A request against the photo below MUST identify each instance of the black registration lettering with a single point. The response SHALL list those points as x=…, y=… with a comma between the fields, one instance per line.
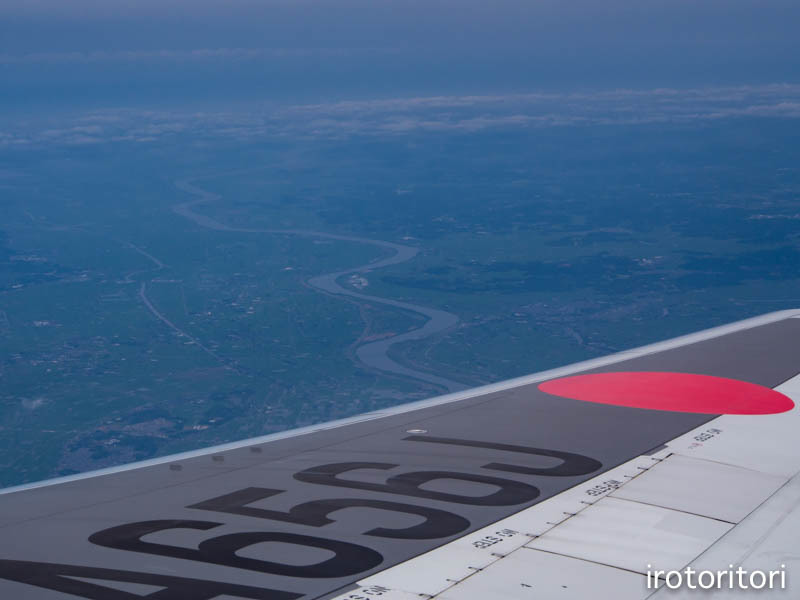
x=57, y=577
x=572, y=464
x=409, y=484
x=348, y=558
x=438, y=523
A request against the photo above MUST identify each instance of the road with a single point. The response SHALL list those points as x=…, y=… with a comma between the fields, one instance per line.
x=181, y=333
x=372, y=354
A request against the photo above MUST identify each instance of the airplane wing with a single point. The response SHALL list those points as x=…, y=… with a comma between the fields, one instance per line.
x=569, y=484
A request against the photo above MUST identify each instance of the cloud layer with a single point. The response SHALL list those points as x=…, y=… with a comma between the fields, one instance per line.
x=399, y=116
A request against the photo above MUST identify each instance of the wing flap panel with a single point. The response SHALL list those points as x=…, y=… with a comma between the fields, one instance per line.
x=702, y=487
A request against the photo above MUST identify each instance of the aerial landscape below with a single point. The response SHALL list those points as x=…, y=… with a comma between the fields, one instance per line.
x=158, y=296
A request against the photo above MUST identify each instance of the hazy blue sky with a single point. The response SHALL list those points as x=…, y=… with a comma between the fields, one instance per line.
x=56, y=53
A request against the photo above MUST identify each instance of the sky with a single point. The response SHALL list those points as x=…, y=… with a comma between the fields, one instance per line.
x=153, y=53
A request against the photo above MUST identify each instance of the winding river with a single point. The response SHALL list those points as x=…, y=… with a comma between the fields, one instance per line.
x=372, y=354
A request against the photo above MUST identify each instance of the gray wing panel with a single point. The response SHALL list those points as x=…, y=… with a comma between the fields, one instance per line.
x=306, y=515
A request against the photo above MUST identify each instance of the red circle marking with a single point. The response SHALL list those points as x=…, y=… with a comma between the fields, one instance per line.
x=680, y=392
